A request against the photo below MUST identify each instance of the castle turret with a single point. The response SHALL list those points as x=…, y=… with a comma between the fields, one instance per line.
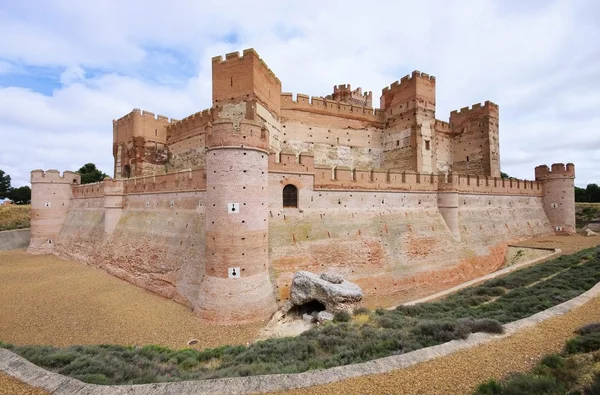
x=559, y=196
x=475, y=143
x=344, y=93
x=409, y=106
x=236, y=286
x=447, y=200
x=50, y=198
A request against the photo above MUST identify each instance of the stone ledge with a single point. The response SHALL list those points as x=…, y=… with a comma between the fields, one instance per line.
x=31, y=374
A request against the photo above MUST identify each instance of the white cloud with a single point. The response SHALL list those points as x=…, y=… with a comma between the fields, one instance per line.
x=113, y=56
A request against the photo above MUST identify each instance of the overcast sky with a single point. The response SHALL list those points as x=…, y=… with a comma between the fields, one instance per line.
x=68, y=68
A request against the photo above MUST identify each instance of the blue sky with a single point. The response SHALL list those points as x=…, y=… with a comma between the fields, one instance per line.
x=67, y=68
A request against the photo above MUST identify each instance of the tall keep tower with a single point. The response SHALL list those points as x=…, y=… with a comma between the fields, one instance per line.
x=409, y=106
x=559, y=196
x=236, y=286
x=50, y=197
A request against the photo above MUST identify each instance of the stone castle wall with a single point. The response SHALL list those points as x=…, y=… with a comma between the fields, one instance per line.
x=381, y=229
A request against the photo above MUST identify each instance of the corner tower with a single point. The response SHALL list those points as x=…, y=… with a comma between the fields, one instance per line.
x=559, y=196
x=50, y=198
x=245, y=78
x=236, y=286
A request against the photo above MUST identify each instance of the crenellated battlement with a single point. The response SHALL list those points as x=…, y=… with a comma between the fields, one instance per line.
x=248, y=133
x=558, y=170
x=246, y=78
x=487, y=107
x=442, y=126
x=136, y=113
x=189, y=126
x=184, y=180
x=247, y=54
x=326, y=106
x=409, y=78
x=418, y=87
x=54, y=176
x=344, y=93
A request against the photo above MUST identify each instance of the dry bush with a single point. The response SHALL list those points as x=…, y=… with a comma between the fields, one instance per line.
x=14, y=217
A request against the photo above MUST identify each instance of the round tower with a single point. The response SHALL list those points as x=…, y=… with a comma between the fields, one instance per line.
x=236, y=286
x=447, y=200
x=50, y=198
x=558, y=185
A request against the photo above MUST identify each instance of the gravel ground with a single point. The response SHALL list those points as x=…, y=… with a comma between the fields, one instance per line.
x=48, y=300
x=568, y=244
x=12, y=386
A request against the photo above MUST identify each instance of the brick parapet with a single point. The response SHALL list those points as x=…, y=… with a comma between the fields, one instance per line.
x=134, y=119
x=345, y=178
x=247, y=134
x=488, y=108
x=442, y=127
x=95, y=189
x=190, y=126
x=184, y=180
x=418, y=87
x=54, y=176
x=243, y=78
x=558, y=170
x=323, y=106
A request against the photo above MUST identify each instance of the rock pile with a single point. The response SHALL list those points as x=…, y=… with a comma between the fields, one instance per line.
x=329, y=289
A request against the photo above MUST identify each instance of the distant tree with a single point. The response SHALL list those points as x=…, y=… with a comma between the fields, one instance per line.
x=4, y=184
x=581, y=195
x=89, y=173
x=21, y=195
x=593, y=192
x=589, y=194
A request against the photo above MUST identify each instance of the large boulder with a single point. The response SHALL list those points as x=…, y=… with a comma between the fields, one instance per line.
x=308, y=287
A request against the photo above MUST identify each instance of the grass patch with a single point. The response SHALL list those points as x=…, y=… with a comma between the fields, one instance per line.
x=349, y=339
x=14, y=217
x=575, y=371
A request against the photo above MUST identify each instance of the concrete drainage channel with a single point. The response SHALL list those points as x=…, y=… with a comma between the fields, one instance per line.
x=31, y=374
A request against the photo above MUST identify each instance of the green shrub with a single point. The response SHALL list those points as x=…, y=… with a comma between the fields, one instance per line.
x=482, y=325
x=522, y=384
x=361, y=310
x=188, y=363
x=341, y=316
x=553, y=361
x=583, y=343
x=490, y=388
x=589, y=328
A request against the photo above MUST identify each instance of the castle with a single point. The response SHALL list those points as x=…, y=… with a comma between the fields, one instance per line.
x=219, y=209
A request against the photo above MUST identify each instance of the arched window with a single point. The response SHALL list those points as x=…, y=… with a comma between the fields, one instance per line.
x=290, y=196
x=126, y=171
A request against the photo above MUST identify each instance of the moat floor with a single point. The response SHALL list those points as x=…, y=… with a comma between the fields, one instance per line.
x=52, y=301
x=48, y=300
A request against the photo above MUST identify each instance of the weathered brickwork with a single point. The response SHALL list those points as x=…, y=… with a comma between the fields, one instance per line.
x=399, y=202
